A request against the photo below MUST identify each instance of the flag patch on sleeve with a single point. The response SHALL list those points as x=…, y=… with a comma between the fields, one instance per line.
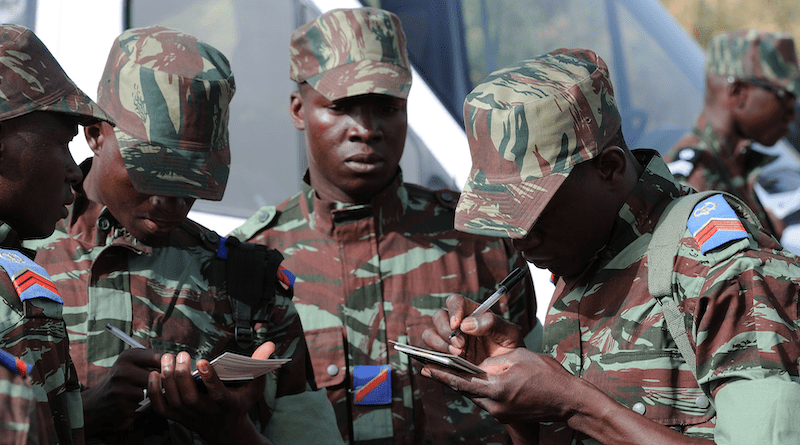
x=713, y=223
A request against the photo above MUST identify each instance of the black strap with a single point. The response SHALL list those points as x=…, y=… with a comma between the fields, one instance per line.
x=251, y=272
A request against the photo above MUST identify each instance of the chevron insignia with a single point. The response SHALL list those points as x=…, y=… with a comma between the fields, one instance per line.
x=29, y=278
x=713, y=223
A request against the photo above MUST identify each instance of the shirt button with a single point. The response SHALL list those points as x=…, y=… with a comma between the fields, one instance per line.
x=103, y=224
x=262, y=217
x=702, y=402
x=332, y=370
x=639, y=407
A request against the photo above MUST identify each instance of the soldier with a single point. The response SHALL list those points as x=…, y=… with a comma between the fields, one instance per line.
x=128, y=255
x=374, y=256
x=619, y=348
x=752, y=79
x=40, y=110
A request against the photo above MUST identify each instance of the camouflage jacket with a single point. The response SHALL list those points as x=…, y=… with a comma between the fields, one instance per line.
x=370, y=273
x=173, y=298
x=606, y=328
x=700, y=159
x=34, y=330
x=18, y=414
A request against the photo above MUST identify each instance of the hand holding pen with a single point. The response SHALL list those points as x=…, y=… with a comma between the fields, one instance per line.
x=507, y=284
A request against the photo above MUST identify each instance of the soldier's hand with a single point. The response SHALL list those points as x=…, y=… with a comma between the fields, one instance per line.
x=110, y=404
x=220, y=415
x=481, y=337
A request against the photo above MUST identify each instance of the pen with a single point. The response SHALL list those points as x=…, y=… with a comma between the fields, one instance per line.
x=124, y=337
x=508, y=282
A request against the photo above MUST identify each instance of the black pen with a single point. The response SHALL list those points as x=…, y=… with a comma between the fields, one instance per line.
x=508, y=282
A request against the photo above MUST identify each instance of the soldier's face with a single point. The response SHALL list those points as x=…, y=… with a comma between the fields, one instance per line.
x=573, y=227
x=149, y=218
x=37, y=171
x=353, y=145
x=763, y=116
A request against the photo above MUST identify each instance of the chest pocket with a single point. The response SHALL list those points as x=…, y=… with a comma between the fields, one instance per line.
x=326, y=347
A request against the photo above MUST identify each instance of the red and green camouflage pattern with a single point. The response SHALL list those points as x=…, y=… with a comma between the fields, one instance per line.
x=528, y=125
x=707, y=160
x=738, y=300
x=755, y=54
x=170, y=96
x=172, y=298
x=350, y=52
x=18, y=414
x=32, y=80
x=35, y=331
x=370, y=273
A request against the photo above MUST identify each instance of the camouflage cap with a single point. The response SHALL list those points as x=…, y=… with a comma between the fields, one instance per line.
x=528, y=125
x=756, y=54
x=169, y=94
x=349, y=52
x=32, y=80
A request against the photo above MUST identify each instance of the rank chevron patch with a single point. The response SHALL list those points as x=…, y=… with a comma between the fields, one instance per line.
x=713, y=223
x=29, y=278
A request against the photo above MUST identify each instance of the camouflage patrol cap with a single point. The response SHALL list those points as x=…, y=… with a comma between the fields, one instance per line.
x=169, y=94
x=756, y=54
x=32, y=80
x=349, y=52
x=528, y=125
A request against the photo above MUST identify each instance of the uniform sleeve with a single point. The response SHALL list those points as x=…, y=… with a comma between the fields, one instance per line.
x=18, y=414
x=746, y=334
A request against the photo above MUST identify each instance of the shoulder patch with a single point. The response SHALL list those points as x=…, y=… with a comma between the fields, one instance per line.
x=29, y=278
x=447, y=198
x=684, y=162
x=713, y=223
x=16, y=365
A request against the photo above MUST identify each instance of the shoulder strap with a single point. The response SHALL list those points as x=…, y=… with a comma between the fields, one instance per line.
x=661, y=253
x=247, y=269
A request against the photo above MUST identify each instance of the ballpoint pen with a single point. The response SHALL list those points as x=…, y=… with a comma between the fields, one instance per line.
x=508, y=282
x=124, y=337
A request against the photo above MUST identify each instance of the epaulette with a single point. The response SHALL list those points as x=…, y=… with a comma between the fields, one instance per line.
x=16, y=365
x=685, y=162
x=713, y=222
x=261, y=219
x=447, y=198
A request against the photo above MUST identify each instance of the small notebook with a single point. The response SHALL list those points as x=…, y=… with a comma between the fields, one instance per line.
x=232, y=367
x=451, y=361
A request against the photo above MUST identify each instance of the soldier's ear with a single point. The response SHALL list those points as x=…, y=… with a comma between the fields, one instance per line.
x=296, y=111
x=94, y=136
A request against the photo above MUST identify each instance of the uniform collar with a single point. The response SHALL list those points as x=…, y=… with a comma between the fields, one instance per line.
x=9, y=239
x=387, y=207
x=655, y=189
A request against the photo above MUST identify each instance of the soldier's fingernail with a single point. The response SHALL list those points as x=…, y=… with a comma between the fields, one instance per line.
x=469, y=324
x=425, y=372
x=453, y=321
x=166, y=365
x=202, y=368
x=182, y=357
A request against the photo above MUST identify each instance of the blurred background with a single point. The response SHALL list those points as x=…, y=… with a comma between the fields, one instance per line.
x=654, y=50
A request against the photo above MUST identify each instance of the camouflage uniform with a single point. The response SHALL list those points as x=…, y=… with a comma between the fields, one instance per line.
x=32, y=327
x=374, y=272
x=170, y=96
x=736, y=290
x=370, y=273
x=18, y=415
x=708, y=160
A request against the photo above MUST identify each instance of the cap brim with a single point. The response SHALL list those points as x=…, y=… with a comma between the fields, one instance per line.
x=364, y=77
x=166, y=171
x=505, y=209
